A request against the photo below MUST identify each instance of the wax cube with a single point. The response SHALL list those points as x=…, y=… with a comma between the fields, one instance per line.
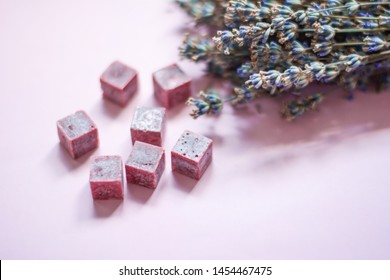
x=191, y=155
x=119, y=83
x=171, y=86
x=148, y=125
x=106, y=177
x=78, y=134
x=145, y=165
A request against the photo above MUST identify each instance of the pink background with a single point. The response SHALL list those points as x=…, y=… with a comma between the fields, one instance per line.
x=318, y=188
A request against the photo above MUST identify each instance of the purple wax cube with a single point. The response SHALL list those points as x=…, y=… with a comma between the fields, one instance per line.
x=148, y=125
x=119, y=83
x=171, y=86
x=145, y=165
x=106, y=177
x=192, y=154
x=78, y=134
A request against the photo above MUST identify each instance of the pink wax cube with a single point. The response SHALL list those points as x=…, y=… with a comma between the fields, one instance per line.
x=171, y=86
x=191, y=155
x=106, y=177
x=145, y=165
x=148, y=125
x=119, y=83
x=78, y=134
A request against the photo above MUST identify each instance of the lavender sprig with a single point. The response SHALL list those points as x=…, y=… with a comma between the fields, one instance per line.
x=208, y=103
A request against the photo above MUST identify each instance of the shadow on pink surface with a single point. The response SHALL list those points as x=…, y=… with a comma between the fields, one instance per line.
x=336, y=117
x=138, y=194
x=184, y=183
x=108, y=108
x=64, y=159
x=105, y=208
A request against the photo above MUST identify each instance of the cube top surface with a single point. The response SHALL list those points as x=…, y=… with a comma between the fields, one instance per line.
x=145, y=156
x=118, y=75
x=76, y=125
x=192, y=145
x=106, y=168
x=171, y=77
x=148, y=119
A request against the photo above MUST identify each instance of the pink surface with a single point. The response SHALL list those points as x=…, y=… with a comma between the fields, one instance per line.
x=315, y=188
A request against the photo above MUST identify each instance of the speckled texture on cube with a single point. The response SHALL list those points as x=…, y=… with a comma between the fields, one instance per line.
x=78, y=134
x=171, y=86
x=119, y=83
x=145, y=165
x=192, y=154
x=106, y=177
x=148, y=125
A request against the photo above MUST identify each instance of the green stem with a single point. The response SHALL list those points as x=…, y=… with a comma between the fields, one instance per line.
x=348, y=44
x=351, y=44
x=232, y=54
x=346, y=17
x=377, y=56
x=349, y=30
x=343, y=7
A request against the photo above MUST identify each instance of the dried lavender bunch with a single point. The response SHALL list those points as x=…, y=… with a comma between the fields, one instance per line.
x=270, y=47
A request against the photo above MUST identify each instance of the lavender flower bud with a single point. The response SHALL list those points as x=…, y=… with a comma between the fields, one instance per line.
x=300, y=17
x=330, y=74
x=325, y=32
x=335, y=3
x=317, y=69
x=201, y=107
x=264, y=12
x=352, y=7
x=373, y=44
x=367, y=24
x=323, y=48
x=312, y=15
x=209, y=103
x=275, y=52
x=384, y=21
x=255, y=81
x=293, y=2
x=245, y=70
x=215, y=102
x=287, y=32
x=259, y=54
x=242, y=95
x=297, y=48
x=195, y=48
x=199, y=10
x=224, y=41
x=281, y=10
x=272, y=78
x=266, y=35
x=277, y=22
x=232, y=18
x=352, y=61
x=320, y=9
